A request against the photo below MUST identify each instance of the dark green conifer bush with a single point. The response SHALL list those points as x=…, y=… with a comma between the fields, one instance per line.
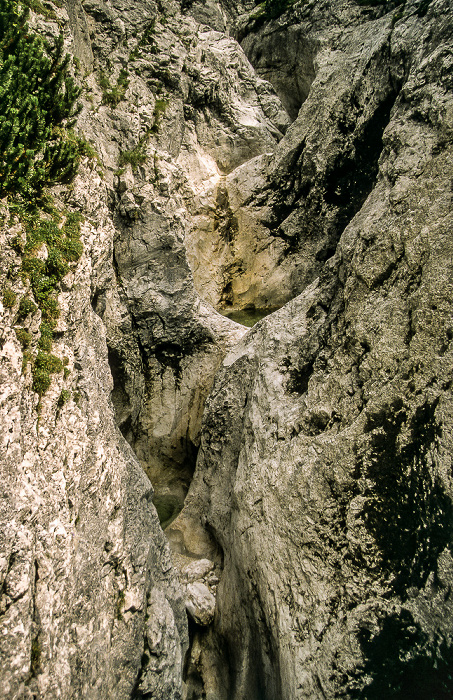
x=37, y=95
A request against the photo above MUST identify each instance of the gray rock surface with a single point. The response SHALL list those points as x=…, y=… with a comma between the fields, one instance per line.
x=82, y=554
x=314, y=547
x=324, y=473
x=200, y=603
x=91, y=606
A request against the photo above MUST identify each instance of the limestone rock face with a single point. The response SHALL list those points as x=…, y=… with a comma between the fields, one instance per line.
x=90, y=605
x=308, y=168
x=82, y=554
x=200, y=603
x=324, y=472
x=192, y=111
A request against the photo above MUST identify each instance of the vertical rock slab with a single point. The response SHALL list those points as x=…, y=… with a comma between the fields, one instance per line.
x=324, y=472
x=83, y=557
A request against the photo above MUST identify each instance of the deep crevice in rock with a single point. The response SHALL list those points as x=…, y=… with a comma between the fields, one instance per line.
x=285, y=62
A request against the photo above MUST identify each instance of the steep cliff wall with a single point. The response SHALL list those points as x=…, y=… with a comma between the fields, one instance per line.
x=313, y=549
x=324, y=472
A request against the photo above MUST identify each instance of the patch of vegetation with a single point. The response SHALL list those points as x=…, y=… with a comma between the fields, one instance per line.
x=159, y=109
x=23, y=337
x=113, y=94
x=147, y=40
x=40, y=8
x=63, y=247
x=61, y=239
x=37, y=95
x=26, y=306
x=135, y=157
x=9, y=298
x=46, y=337
x=17, y=245
x=84, y=147
x=63, y=398
x=26, y=358
x=44, y=365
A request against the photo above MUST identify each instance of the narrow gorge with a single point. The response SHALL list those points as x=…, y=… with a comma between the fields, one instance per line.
x=226, y=355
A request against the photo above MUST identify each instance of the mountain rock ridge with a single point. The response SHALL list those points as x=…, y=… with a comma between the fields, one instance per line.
x=209, y=197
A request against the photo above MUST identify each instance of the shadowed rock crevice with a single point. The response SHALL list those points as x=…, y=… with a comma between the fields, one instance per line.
x=402, y=662
x=408, y=510
x=287, y=63
x=324, y=203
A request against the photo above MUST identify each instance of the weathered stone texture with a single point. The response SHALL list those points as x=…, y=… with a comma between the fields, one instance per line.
x=314, y=546
x=324, y=472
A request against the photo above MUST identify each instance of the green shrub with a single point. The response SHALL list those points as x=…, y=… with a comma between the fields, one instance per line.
x=41, y=9
x=113, y=94
x=26, y=306
x=64, y=397
x=50, y=310
x=135, y=157
x=26, y=358
x=63, y=247
x=41, y=380
x=17, y=245
x=37, y=94
x=84, y=147
x=23, y=337
x=44, y=365
x=56, y=265
x=159, y=109
x=46, y=337
x=71, y=248
x=9, y=298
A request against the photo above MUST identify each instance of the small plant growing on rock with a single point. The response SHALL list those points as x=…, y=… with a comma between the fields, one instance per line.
x=63, y=246
x=113, y=94
x=135, y=157
x=26, y=307
x=46, y=337
x=45, y=365
x=26, y=358
x=159, y=109
x=9, y=298
x=23, y=337
x=63, y=398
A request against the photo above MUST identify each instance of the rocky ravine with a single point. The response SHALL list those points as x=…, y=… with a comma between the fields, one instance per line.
x=313, y=548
